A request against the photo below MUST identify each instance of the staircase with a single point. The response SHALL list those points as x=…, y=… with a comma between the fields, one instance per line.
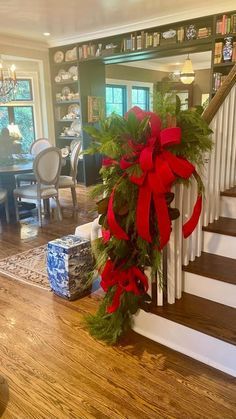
x=202, y=323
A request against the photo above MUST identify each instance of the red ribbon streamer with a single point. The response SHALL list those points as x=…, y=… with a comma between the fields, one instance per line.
x=130, y=280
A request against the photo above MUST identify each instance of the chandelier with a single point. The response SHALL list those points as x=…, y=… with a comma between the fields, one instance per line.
x=187, y=74
x=8, y=82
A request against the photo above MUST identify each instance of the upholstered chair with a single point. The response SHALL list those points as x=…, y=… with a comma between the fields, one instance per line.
x=37, y=146
x=71, y=181
x=47, y=168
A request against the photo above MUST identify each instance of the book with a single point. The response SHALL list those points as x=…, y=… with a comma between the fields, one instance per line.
x=139, y=42
x=218, y=52
x=156, y=39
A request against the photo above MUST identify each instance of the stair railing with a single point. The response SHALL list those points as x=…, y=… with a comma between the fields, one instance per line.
x=219, y=174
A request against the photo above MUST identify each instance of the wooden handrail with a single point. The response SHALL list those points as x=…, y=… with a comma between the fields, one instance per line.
x=220, y=96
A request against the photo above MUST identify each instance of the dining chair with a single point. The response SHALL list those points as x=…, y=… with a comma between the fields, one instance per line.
x=47, y=168
x=71, y=181
x=37, y=146
x=4, y=201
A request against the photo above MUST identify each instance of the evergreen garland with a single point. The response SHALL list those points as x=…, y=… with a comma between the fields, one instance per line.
x=120, y=138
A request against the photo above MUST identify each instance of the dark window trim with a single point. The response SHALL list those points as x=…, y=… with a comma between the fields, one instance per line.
x=147, y=89
x=124, y=94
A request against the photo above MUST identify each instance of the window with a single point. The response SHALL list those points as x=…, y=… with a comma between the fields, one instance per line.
x=116, y=99
x=21, y=113
x=140, y=97
x=122, y=95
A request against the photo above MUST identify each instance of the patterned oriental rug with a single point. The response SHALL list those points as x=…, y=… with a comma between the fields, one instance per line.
x=29, y=267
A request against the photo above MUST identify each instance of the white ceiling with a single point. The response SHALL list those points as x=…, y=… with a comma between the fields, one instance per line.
x=74, y=20
x=200, y=61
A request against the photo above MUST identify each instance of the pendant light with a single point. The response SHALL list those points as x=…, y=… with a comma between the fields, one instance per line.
x=187, y=74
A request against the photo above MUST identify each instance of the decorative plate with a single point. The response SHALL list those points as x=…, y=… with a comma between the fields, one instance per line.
x=58, y=79
x=74, y=109
x=169, y=34
x=65, y=91
x=58, y=57
x=71, y=54
x=73, y=70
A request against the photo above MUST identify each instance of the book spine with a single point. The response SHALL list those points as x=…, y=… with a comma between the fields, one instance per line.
x=139, y=42
x=142, y=39
x=223, y=28
x=228, y=26
x=233, y=26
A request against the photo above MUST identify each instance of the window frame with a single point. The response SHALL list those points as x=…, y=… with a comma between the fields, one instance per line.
x=124, y=95
x=132, y=83
x=147, y=90
x=25, y=103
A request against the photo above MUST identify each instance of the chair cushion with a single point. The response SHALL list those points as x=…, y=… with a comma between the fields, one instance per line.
x=3, y=195
x=66, y=182
x=26, y=177
x=30, y=191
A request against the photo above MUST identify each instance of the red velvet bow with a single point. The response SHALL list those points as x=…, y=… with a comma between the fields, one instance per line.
x=160, y=169
x=129, y=280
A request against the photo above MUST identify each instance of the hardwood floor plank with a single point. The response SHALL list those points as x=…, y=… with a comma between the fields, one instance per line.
x=50, y=367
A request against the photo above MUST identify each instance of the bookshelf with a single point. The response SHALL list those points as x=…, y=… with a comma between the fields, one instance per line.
x=224, y=52
x=90, y=57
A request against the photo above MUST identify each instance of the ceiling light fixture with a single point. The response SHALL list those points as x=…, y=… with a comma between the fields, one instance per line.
x=187, y=74
x=46, y=33
x=8, y=82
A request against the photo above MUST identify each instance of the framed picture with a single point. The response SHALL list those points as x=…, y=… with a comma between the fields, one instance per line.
x=96, y=108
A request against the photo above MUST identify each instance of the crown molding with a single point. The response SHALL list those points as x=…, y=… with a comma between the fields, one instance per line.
x=20, y=42
x=216, y=8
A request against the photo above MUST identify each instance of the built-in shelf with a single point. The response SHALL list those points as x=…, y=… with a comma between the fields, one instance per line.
x=66, y=137
x=226, y=64
x=66, y=82
x=67, y=102
x=219, y=36
x=68, y=120
x=66, y=62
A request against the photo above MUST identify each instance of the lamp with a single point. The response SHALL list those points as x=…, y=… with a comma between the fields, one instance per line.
x=8, y=82
x=14, y=131
x=187, y=74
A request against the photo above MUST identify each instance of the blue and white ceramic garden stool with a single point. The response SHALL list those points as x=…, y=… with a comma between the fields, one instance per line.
x=69, y=265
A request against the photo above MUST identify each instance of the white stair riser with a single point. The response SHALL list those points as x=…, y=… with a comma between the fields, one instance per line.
x=219, y=244
x=211, y=289
x=228, y=207
x=204, y=348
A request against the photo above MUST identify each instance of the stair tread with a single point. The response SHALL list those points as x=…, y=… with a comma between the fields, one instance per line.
x=214, y=266
x=224, y=225
x=229, y=192
x=203, y=315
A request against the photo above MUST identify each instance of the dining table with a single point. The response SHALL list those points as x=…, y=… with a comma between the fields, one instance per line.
x=8, y=170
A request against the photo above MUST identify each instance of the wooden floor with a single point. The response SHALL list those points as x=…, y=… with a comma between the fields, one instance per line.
x=51, y=368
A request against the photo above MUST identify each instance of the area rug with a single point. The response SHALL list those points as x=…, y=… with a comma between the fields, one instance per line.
x=29, y=267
